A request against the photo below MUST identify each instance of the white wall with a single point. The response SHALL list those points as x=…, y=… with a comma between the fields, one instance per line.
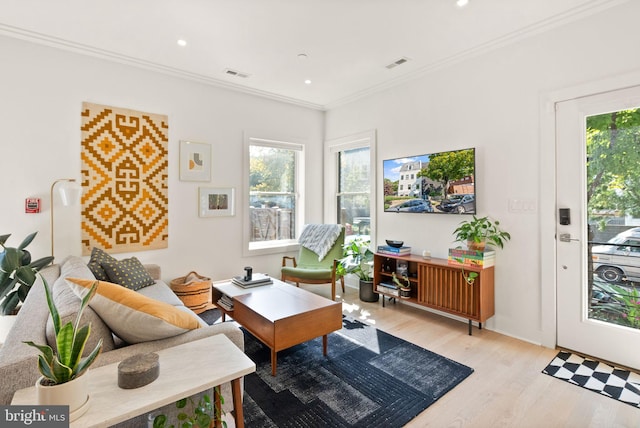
x=491, y=102
x=41, y=92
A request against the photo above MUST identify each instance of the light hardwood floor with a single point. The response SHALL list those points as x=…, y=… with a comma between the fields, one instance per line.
x=507, y=388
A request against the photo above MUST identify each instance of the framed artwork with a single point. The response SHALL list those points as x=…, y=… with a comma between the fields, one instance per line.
x=195, y=161
x=216, y=202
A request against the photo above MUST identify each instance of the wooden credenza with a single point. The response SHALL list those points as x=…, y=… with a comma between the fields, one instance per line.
x=438, y=285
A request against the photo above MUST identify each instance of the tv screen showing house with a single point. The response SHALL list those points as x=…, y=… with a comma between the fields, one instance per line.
x=434, y=183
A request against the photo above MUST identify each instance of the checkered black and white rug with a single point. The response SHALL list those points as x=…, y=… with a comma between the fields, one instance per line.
x=622, y=385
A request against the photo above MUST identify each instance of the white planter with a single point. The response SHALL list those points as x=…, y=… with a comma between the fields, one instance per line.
x=74, y=394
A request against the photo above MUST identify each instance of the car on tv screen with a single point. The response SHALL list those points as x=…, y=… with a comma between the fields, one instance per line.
x=458, y=204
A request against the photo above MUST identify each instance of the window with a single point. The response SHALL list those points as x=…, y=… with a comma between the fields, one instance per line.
x=274, y=211
x=349, y=183
x=353, y=205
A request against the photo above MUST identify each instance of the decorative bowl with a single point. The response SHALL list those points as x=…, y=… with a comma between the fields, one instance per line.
x=395, y=244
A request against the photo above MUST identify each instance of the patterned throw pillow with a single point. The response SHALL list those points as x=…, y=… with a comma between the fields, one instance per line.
x=97, y=258
x=129, y=273
x=133, y=317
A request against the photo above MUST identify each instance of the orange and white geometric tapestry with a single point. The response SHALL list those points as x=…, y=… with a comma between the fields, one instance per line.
x=125, y=200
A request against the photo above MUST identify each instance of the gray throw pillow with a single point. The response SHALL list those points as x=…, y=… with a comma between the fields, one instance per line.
x=129, y=273
x=98, y=257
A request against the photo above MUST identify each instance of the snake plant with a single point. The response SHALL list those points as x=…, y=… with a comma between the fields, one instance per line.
x=67, y=364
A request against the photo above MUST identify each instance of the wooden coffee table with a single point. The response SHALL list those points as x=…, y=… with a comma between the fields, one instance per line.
x=281, y=315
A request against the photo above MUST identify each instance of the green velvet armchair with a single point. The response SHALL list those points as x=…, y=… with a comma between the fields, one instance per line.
x=308, y=270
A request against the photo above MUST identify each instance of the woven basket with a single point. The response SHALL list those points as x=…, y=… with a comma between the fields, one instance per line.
x=194, y=290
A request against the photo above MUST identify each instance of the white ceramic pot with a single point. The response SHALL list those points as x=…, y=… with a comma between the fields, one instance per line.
x=75, y=394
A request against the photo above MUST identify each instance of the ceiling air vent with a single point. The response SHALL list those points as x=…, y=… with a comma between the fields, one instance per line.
x=397, y=62
x=235, y=73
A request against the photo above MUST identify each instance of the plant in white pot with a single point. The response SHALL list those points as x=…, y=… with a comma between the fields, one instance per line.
x=479, y=231
x=62, y=382
x=358, y=260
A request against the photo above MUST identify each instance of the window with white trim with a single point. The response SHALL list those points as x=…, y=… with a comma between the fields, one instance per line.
x=349, y=183
x=274, y=209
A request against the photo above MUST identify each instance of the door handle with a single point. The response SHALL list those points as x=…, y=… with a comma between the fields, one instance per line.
x=566, y=237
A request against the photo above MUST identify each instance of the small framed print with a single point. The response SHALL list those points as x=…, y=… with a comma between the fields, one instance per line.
x=195, y=161
x=216, y=202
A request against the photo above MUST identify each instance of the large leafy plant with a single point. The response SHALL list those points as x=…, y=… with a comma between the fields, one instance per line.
x=17, y=273
x=68, y=363
x=357, y=259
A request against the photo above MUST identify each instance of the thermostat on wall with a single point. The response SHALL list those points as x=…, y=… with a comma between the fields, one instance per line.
x=32, y=205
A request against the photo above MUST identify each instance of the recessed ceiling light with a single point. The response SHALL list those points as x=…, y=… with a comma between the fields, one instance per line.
x=182, y=42
x=307, y=82
x=462, y=3
x=303, y=56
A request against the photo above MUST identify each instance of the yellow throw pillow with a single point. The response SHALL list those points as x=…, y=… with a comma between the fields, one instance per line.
x=131, y=316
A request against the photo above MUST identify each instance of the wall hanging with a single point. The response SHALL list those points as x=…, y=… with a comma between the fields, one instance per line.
x=125, y=205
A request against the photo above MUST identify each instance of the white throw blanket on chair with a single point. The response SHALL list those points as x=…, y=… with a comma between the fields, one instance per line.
x=319, y=238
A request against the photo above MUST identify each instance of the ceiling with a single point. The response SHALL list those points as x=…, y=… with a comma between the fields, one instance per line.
x=347, y=43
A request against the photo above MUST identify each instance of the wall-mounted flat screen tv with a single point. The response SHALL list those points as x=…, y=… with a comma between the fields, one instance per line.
x=434, y=183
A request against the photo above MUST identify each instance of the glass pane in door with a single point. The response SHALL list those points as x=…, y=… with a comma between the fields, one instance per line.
x=613, y=207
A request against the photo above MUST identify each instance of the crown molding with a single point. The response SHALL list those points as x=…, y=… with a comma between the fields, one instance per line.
x=556, y=21
x=59, y=43
x=564, y=18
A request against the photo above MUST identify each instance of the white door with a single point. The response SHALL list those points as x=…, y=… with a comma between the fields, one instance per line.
x=597, y=175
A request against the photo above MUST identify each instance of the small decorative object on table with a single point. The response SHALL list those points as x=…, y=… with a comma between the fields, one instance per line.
x=393, y=243
x=139, y=370
x=402, y=267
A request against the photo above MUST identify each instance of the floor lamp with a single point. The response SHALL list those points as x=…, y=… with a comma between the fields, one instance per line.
x=69, y=195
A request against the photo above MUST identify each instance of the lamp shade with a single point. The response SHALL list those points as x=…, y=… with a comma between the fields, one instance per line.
x=70, y=192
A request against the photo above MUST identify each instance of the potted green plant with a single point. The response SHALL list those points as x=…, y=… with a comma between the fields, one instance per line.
x=479, y=231
x=17, y=273
x=62, y=381
x=201, y=415
x=358, y=260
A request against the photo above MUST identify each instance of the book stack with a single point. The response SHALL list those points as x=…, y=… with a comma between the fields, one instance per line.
x=257, y=280
x=471, y=258
x=394, y=251
x=226, y=303
x=388, y=288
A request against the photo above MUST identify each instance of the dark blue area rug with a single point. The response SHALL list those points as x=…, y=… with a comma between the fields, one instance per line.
x=368, y=379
